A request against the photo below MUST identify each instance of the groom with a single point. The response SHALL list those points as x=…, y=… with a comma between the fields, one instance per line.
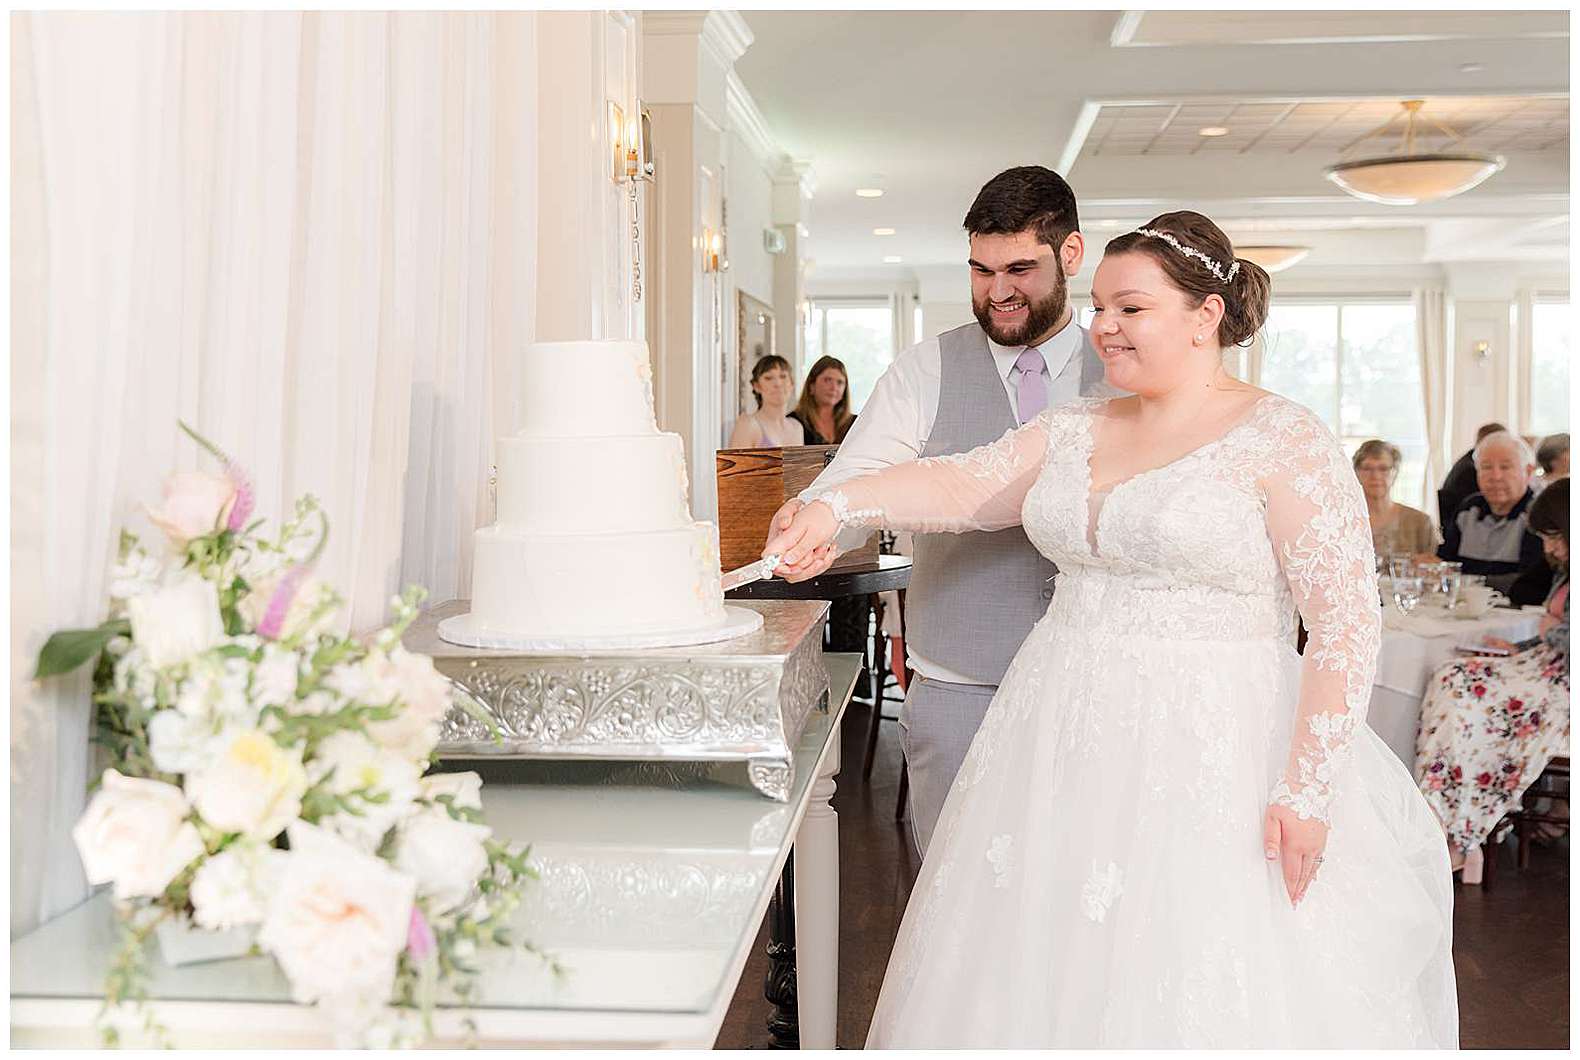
x=973, y=597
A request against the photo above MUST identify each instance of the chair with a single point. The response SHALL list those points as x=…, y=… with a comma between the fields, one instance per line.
x=1553, y=783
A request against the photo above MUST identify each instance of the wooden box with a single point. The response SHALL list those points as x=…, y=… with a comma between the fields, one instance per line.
x=753, y=483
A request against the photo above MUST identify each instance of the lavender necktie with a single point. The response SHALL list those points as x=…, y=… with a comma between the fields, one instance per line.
x=1031, y=392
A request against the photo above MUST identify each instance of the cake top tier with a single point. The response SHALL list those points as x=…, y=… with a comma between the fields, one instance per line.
x=586, y=389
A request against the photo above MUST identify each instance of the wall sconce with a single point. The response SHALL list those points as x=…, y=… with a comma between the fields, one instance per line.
x=631, y=144
x=1483, y=351
x=713, y=259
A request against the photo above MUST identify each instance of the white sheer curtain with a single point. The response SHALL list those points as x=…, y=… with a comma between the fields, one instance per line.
x=311, y=235
x=1431, y=330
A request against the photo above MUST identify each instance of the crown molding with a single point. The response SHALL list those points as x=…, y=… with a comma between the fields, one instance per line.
x=746, y=120
x=726, y=34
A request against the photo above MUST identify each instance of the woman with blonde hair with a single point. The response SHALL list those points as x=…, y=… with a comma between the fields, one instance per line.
x=824, y=409
x=1396, y=528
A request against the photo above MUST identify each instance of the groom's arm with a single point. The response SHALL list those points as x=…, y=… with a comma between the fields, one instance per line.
x=892, y=428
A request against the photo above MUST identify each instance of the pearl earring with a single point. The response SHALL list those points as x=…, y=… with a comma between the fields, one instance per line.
x=1198, y=340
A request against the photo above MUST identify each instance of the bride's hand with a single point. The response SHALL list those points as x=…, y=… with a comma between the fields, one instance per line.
x=805, y=543
x=1297, y=844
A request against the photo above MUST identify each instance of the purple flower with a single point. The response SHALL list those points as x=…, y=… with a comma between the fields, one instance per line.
x=241, y=511
x=420, y=942
x=280, y=603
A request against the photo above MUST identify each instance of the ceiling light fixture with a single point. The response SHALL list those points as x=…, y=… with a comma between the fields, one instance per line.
x=1271, y=258
x=870, y=193
x=1213, y=130
x=1408, y=178
x=893, y=259
x=883, y=231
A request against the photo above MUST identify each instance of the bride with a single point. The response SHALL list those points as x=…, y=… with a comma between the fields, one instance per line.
x=1171, y=830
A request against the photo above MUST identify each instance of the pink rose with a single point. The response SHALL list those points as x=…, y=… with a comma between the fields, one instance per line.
x=195, y=503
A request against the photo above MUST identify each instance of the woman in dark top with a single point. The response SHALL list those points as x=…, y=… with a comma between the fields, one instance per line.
x=1491, y=723
x=824, y=409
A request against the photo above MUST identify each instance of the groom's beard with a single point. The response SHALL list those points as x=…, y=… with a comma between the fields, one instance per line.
x=1040, y=318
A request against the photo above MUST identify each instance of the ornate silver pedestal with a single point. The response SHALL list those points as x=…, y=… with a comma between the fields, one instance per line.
x=744, y=699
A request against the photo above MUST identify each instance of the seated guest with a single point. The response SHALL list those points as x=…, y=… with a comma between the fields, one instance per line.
x=1396, y=528
x=1489, y=533
x=1489, y=725
x=770, y=426
x=824, y=409
x=1460, y=482
x=1552, y=456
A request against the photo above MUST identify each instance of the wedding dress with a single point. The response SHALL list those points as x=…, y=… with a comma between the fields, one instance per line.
x=1098, y=877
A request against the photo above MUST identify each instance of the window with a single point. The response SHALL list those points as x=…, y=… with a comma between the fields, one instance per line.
x=1550, y=346
x=1356, y=365
x=860, y=332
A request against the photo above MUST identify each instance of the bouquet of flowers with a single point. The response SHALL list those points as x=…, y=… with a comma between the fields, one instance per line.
x=268, y=774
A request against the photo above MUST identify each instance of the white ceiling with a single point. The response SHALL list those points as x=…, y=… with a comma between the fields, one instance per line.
x=928, y=104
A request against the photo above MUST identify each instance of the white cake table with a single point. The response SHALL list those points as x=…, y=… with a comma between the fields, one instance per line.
x=1411, y=649
x=652, y=894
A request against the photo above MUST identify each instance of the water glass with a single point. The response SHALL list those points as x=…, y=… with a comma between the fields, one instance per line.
x=1450, y=586
x=1406, y=592
x=1401, y=566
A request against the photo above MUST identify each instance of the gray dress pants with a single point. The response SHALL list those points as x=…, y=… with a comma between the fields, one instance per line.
x=937, y=723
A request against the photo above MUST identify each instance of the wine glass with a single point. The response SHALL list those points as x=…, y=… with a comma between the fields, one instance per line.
x=1406, y=593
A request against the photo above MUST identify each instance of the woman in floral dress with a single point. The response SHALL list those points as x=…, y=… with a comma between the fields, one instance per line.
x=1490, y=725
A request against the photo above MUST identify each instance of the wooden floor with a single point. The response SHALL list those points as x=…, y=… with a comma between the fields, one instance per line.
x=1511, y=944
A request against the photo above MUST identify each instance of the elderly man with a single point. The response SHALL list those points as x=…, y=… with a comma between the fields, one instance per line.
x=1489, y=533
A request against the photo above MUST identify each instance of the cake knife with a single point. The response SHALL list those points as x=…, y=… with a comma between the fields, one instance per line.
x=756, y=571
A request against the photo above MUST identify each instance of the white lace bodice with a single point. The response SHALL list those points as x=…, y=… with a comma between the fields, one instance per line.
x=1223, y=543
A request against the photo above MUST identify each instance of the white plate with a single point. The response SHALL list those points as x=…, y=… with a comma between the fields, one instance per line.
x=462, y=630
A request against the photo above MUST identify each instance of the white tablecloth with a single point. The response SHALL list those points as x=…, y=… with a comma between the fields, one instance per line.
x=1415, y=646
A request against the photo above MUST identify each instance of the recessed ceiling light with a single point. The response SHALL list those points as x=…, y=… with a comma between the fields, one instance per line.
x=1214, y=130
x=1471, y=68
x=870, y=193
x=1108, y=222
x=883, y=231
x=892, y=259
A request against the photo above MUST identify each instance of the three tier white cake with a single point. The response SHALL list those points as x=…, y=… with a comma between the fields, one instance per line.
x=594, y=537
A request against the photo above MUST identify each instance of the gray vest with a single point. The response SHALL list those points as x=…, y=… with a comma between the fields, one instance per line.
x=974, y=597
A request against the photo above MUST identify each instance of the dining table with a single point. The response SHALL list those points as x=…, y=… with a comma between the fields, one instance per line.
x=1415, y=645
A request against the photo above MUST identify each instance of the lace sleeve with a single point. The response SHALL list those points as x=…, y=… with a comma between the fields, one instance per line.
x=1316, y=516
x=982, y=489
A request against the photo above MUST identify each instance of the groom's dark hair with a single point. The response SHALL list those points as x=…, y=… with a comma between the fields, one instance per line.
x=1025, y=197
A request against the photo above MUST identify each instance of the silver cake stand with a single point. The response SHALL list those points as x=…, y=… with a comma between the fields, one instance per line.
x=743, y=699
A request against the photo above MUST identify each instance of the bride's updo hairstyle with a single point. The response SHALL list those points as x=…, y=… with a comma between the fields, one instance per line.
x=1170, y=240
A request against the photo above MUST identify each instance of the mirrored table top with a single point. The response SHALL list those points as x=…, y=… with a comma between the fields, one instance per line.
x=654, y=882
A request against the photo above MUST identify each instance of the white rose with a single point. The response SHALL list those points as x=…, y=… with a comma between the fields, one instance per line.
x=309, y=595
x=338, y=920
x=274, y=678
x=180, y=742
x=232, y=888
x=135, y=834
x=464, y=789
x=353, y=763
x=176, y=621
x=444, y=855
x=252, y=785
x=424, y=699
x=195, y=503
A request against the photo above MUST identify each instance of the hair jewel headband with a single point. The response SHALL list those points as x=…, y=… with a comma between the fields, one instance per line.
x=1191, y=252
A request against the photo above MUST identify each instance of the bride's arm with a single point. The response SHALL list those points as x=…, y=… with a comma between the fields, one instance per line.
x=982, y=489
x=1316, y=516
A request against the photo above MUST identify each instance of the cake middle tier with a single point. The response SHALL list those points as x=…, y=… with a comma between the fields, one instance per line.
x=546, y=585
x=599, y=485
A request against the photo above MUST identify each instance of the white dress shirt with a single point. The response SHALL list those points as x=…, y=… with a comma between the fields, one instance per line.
x=897, y=419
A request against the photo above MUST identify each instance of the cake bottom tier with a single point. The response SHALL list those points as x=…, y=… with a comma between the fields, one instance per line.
x=527, y=583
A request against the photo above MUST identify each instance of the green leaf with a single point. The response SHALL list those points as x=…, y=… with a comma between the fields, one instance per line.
x=63, y=652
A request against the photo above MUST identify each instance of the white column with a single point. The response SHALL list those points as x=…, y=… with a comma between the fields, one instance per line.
x=792, y=202
x=687, y=57
x=817, y=910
